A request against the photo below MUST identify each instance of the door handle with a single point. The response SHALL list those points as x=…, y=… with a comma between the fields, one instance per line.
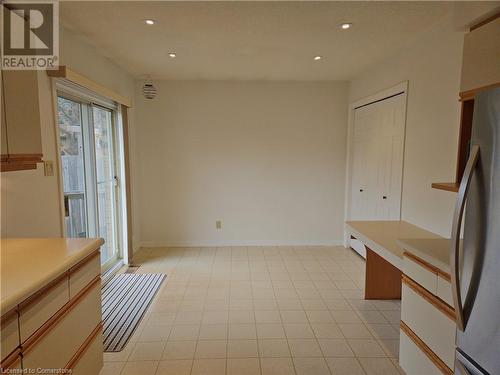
x=66, y=206
x=455, y=236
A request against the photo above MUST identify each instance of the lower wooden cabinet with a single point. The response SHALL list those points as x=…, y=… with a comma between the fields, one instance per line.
x=9, y=335
x=39, y=308
x=55, y=346
x=90, y=359
x=59, y=326
x=82, y=274
x=428, y=327
x=433, y=326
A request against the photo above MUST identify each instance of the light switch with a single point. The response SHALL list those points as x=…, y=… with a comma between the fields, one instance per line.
x=48, y=167
x=218, y=224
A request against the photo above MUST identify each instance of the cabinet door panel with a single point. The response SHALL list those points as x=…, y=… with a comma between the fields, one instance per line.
x=9, y=334
x=83, y=275
x=4, y=150
x=480, y=60
x=433, y=327
x=413, y=360
x=421, y=275
x=22, y=112
x=33, y=314
x=92, y=360
x=58, y=345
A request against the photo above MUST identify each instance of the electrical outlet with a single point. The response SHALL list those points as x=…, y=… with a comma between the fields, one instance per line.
x=218, y=224
x=48, y=168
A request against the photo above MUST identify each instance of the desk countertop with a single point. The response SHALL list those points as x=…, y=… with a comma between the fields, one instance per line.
x=390, y=239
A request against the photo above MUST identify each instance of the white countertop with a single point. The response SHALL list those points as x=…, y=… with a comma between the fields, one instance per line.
x=436, y=252
x=383, y=237
x=27, y=264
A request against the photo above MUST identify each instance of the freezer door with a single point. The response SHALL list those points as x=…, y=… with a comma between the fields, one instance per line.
x=480, y=263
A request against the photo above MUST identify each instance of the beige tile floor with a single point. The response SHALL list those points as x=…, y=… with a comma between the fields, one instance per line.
x=260, y=310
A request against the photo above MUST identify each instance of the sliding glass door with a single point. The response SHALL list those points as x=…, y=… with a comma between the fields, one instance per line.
x=88, y=164
x=106, y=181
x=73, y=167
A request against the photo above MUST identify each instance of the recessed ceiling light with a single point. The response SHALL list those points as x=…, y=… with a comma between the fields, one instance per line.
x=317, y=58
x=345, y=26
x=149, y=22
x=173, y=55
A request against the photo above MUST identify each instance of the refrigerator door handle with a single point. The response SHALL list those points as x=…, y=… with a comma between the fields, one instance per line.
x=455, y=236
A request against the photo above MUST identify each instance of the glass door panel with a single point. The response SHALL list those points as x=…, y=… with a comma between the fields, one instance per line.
x=106, y=181
x=73, y=167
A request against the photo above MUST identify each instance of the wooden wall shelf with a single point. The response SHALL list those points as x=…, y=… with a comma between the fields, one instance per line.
x=20, y=162
x=448, y=186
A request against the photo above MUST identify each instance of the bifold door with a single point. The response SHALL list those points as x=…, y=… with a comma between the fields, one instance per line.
x=377, y=161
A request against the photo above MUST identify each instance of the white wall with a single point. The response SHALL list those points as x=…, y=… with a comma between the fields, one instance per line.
x=30, y=201
x=432, y=66
x=268, y=159
x=88, y=61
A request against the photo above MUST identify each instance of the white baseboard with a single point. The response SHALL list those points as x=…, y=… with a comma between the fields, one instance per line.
x=239, y=243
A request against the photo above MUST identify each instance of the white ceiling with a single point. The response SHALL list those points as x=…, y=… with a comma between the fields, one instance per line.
x=249, y=40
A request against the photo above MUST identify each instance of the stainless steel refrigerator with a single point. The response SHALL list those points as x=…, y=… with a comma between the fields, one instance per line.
x=475, y=264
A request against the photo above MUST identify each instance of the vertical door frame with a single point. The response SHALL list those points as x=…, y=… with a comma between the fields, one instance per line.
x=90, y=173
x=58, y=169
x=381, y=95
x=116, y=151
x=127, y=186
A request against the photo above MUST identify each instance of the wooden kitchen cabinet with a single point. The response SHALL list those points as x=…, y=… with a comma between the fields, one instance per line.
x=43, y=326
x=4, y=148
x=480, y=71
x=21, y=133
x=481, y=63
x=427, y=327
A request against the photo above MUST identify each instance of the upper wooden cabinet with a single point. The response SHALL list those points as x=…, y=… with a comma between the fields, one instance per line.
x=480, y=71
x=481, y=57
x=21, y=134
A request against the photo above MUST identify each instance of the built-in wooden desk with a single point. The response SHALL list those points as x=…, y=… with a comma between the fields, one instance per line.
x=409, y=263
x=384, y=253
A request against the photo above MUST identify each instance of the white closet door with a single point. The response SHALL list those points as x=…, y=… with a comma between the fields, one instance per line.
x=377, y=160
x=391, y=147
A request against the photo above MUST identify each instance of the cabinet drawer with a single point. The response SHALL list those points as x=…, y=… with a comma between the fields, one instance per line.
x=91, y=361
x=9, y=333
x=419, y=273
x=444, y=290
x=413, y=360
x=55, y=347
x=430, y=319
x=39, y=308
x=83, y=273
